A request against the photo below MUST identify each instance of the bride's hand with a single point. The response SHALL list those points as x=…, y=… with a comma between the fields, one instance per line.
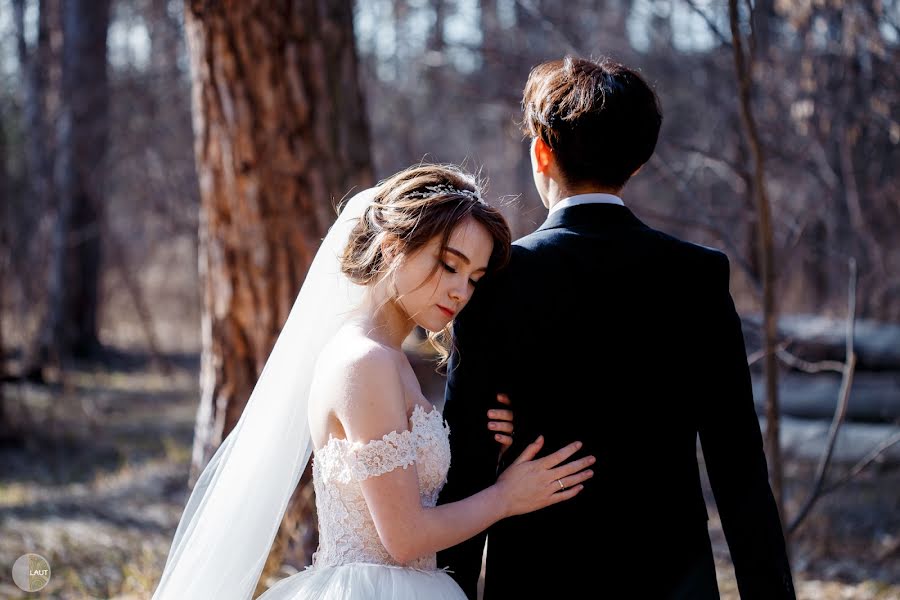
x=501, y=422
x=530, y=484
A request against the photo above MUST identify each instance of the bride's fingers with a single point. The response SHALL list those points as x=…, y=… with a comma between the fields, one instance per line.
x=530, y=450
x=565, y=494
x=564, y=483
x=502, y=426
x=560, y=455
x=501, y=422
x=500, y=414
x=572, y=467
x=503, y=440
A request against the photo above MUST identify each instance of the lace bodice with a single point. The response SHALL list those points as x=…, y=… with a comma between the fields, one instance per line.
x=346, y=531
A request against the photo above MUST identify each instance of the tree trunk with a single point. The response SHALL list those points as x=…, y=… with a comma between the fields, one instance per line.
x=490, y=30
x=165, y=42
x=34, y=63
x=38, y=65
x=280, y=137
x=83, y=144
x=70, y=324
x=436, y=34
x=5, y=425
x=764, y=22
x=766, y=247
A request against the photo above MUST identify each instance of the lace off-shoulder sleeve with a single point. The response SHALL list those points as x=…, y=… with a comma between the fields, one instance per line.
x=377, y=457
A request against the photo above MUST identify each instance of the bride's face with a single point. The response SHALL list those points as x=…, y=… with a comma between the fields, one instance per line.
x=435, y=285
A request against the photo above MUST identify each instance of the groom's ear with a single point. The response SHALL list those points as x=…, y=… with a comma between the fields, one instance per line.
x=543, y=155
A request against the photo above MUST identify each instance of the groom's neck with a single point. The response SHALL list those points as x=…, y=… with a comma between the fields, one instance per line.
x=557, y=191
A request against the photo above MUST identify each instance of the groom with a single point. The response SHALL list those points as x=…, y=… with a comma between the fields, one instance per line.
x=604, y=330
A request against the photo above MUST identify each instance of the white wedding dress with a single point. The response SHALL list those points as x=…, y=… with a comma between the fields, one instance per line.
x=351, y=562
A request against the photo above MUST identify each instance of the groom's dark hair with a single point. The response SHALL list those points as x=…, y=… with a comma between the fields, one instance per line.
x=600, y=118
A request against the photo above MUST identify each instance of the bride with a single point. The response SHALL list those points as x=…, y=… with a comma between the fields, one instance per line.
x=408, y=252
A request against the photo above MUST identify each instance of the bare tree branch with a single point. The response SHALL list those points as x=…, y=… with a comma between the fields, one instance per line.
x=757, y=356
x=841, y=411
x=868, y=459
x=809, y=367
x=714, y=157
x=709, y=23
x=765, y=244
x=551, y=27
x=735, y=253
x=137, y=297
x=752, y=21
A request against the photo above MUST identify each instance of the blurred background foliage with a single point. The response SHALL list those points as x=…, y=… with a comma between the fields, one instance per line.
x=108, y=239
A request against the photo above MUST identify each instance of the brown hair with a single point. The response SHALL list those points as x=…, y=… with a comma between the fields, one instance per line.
x=601, y=119
x=411, y=208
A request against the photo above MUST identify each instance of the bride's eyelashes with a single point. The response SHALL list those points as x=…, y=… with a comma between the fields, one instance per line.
x=452, y=270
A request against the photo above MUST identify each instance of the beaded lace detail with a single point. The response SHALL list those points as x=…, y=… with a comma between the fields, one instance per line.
x=346, y=531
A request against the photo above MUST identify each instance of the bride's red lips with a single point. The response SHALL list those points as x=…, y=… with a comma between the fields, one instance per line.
x=446, y=311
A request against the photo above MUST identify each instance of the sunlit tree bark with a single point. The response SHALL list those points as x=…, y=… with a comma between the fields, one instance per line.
x=281, y=136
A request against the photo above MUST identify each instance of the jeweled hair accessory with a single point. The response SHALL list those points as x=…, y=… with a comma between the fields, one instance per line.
x=433, y=190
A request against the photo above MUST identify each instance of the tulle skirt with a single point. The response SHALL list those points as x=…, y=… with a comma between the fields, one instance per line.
x=359, y=581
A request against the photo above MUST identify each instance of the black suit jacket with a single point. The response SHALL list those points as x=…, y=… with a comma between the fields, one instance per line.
x=604, y=330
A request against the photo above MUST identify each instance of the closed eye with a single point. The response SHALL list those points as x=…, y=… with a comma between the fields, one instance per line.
x=452, y=270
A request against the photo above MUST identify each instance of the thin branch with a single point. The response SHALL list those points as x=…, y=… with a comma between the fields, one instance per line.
x=137, y=297
x=841, y=411
x=743, y=66
x=795, y=362
x=757, y=356
x=709, y=23
x=809, y=367
x=736, y=254
x=750, y=19
x=535, y=12
x=871, y=457
x=711, y=156
x=794, y=234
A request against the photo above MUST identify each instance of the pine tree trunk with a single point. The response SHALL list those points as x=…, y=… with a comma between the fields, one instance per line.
x=39, y=66
x=34, y=63
x=70, y=325
x=83, y=143
x=280, y=137
x=165, y=36
x=5, y=425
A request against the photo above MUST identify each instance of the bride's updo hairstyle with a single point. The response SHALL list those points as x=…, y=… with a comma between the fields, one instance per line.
x=410, y=209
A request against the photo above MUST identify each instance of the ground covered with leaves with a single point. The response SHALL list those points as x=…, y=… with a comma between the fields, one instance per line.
x=96, y=485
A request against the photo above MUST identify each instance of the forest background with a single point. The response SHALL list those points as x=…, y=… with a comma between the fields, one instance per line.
x=167, y=169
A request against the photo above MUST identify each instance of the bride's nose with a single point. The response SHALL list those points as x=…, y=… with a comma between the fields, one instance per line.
x=457, y=293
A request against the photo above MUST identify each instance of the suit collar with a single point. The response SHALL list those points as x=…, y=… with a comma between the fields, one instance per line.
x=594, y=216
x=592, y=198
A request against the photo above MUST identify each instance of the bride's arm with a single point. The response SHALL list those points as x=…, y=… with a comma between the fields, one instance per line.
x=374, y=407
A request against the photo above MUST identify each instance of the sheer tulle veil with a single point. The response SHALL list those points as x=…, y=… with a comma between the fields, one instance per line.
x=236, y=507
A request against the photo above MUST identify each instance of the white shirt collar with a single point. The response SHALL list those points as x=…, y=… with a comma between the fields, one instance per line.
x=596, y=198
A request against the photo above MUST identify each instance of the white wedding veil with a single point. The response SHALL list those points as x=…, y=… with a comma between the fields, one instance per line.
x=236, y=507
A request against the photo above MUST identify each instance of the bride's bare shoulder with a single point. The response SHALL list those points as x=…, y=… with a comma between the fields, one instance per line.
x=351, y=362
x=358, y=381
x=350, y=351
